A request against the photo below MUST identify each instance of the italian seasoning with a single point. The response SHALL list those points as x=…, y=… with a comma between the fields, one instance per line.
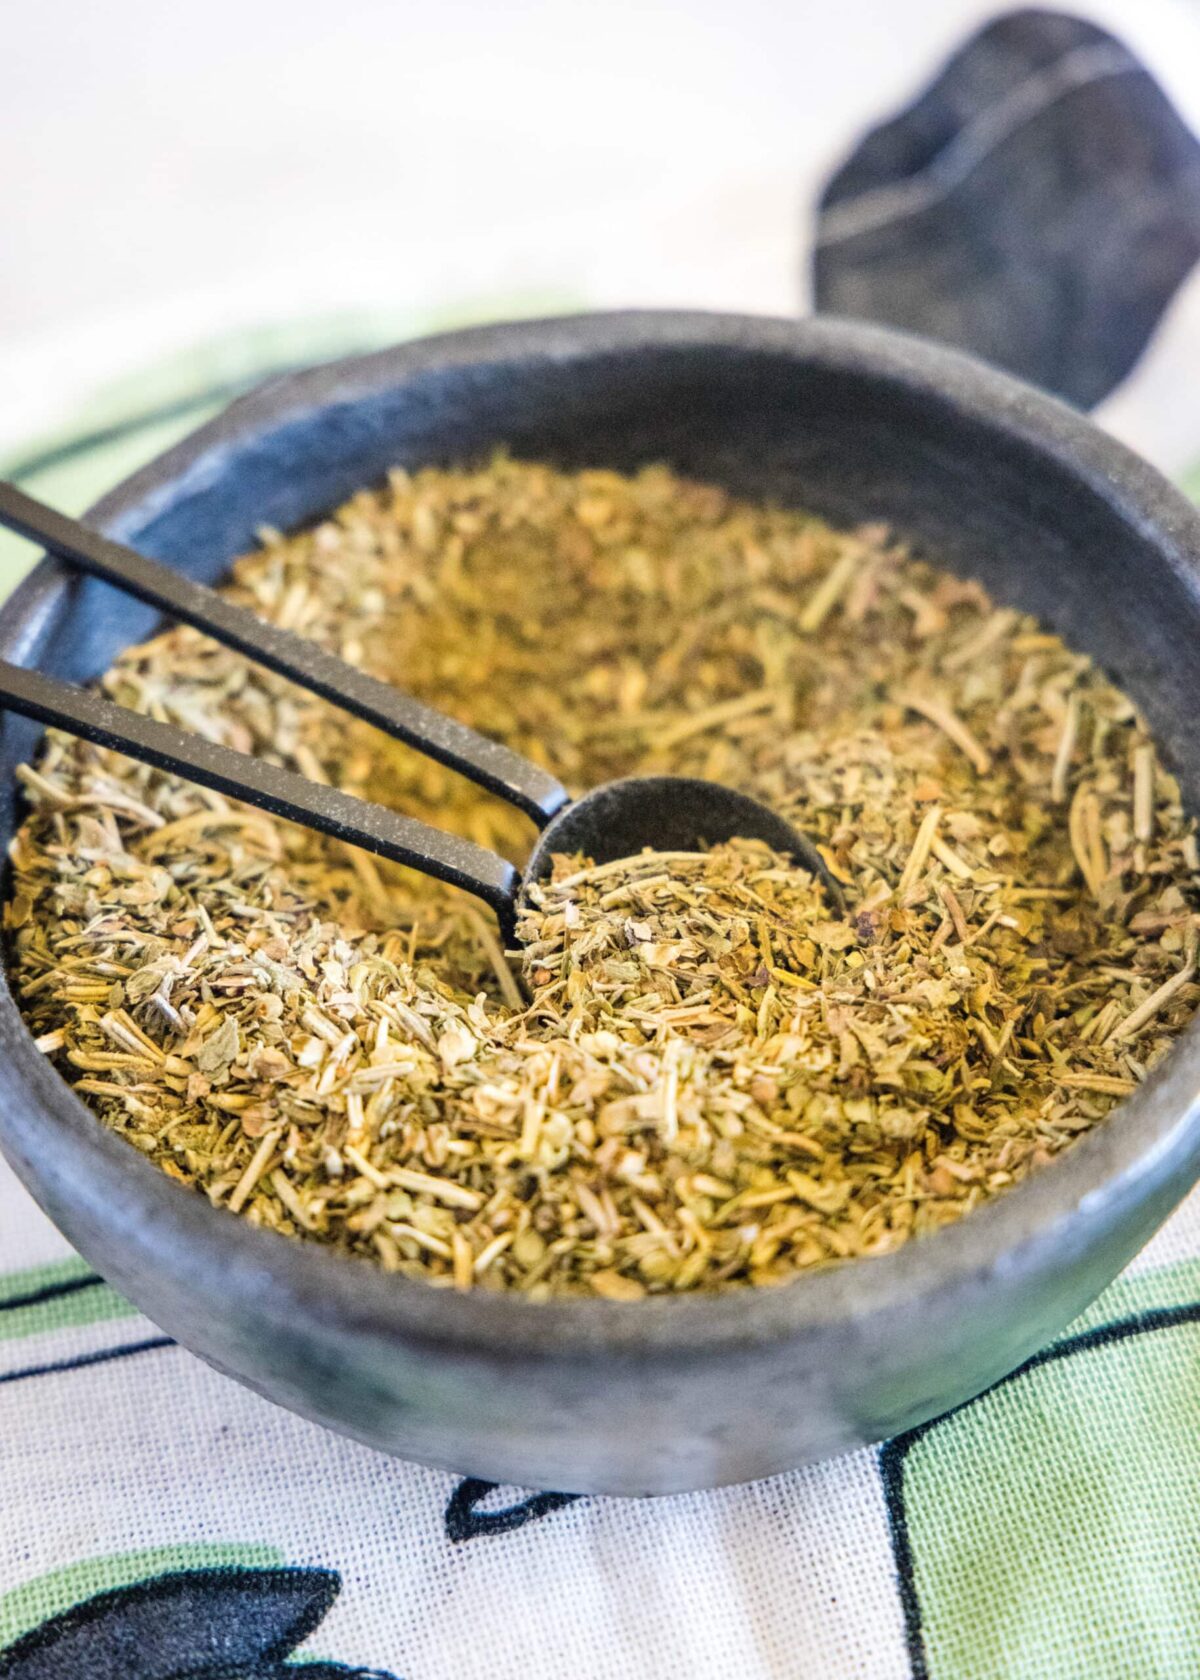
x=697, y=1073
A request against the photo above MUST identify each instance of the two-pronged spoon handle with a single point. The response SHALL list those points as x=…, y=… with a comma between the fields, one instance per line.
x=89, y=715
x=492, y=766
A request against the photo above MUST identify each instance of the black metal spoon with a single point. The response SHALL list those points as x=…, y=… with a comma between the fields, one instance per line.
x=617, y=819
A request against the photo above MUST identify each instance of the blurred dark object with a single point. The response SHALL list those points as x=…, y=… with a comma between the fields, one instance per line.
x=1039, y=205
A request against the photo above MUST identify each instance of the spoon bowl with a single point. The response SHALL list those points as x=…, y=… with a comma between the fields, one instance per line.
x=667, y=814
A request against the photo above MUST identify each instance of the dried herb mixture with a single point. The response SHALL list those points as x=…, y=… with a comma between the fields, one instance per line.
x=718, y=1081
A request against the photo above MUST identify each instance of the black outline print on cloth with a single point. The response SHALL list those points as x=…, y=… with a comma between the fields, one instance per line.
x=190, y=1624
x=1038, y=203
x=893, y=1453
x=465, y=1522
x=81, y=1361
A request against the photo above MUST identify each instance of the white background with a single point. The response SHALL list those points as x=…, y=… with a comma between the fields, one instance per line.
x=171, y=171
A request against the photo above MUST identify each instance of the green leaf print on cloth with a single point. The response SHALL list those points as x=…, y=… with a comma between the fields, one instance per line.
x=61, y=1295
x=1050, y=1530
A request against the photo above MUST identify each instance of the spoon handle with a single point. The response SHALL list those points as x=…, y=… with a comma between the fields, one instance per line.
x=485, y=762
x=271, y=788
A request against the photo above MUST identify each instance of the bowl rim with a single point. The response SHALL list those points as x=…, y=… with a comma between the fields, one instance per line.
x=1129, y=1157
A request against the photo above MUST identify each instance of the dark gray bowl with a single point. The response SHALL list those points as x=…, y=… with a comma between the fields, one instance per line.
x=670, y=1393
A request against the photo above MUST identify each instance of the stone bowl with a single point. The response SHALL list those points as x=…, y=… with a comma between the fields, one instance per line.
x=670, y=1393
